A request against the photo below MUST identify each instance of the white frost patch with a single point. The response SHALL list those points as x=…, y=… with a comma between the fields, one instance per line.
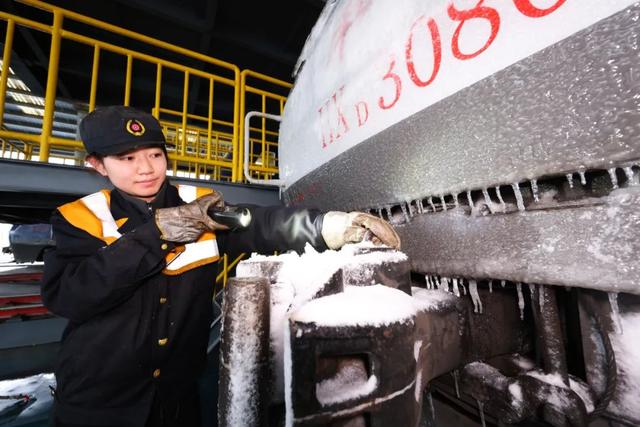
x=523, y=362
x=416, y=349
x=287, y=376
x=595, y=249
x=553, y=379
x=425, y=300
x=36, y=387
x=549, y=244
x=627, y=351
x=348, y=384
x=376, y=305
x=584, y=392
x=516, y=392
x=557, y=400
x=586, y=216
x=281, y=297
x=418, y=388
x=242, y=363
x=613, y=211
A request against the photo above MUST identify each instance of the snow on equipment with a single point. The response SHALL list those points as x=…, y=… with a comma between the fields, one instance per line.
x=502, y=139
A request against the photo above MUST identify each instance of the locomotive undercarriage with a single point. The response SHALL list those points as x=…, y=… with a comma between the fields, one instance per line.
x=563, y=246
x=528, y=324
x=516, y=199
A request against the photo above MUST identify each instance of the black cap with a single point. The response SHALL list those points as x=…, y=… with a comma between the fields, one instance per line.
x=116, y=129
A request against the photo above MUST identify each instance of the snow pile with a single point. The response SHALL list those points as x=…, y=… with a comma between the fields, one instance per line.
x=309, y=272
x=297, y=279
x=427, y=300
x=350, y=382
x=358, y=306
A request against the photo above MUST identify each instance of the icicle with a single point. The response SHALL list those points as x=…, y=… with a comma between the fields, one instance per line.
x=532, y=288
x=614, y=177
x=541, y=296
x=632, y=180
x=380, y=213
x=438, y=281
x=490, y=286
x=420, y=206
x=404, y=212
x=516, y=191
x=615, y=312
x=481, y=411
x=534, y=190
x=431, y=204
x=583, y=178
x=502, y=203
x=470, y=200
x=387, y=209
x=455, y=200
x=444, y=205
x=444, y=284
x=456, y=289
x=428, y=280
x=455, y=380
x=502, y=283
x=473, y=292
x=464, y=288
x=487, y=200
x=520, y=300
x=410, y=207
x=570, y=179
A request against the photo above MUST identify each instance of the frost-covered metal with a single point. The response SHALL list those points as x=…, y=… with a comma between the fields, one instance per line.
x=502, y=140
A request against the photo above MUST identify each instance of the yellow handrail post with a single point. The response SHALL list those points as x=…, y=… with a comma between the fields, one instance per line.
x=226, y=270
x=210, y=119
x=127, y=82
x=52, y=81
x=94, y=78
x=185, y=105
x=6, y=64
x=156, y=109
x=236, y=155
x=263, y=132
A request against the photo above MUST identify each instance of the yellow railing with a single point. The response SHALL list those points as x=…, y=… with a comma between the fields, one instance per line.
x=204, y=144
x=226, y=268
x=263, y=143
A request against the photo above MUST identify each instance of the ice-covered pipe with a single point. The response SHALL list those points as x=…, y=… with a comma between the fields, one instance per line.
x=244, y=353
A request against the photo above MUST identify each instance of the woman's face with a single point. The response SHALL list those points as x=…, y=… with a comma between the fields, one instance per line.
x=139, y=173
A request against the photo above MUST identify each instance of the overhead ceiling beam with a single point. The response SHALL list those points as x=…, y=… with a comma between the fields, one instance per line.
x=170, y=12
x=258, y=46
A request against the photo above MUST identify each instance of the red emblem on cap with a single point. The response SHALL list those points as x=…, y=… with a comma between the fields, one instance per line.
x=134, y=127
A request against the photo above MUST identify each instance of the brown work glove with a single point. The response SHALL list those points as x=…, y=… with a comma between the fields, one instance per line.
x=339, y=228
x=187, y=222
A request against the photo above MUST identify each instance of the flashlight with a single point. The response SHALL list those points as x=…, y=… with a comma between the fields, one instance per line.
x=233, y=217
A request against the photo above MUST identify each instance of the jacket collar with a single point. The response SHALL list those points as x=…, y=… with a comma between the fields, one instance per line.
x=138, y=211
